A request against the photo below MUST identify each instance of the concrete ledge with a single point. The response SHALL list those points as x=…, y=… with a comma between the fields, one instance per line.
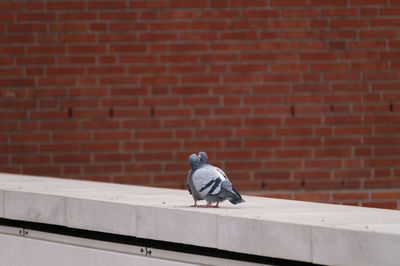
x=294, y=230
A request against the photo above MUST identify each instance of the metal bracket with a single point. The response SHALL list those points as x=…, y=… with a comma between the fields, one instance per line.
x=146, y=251
x=23, y=232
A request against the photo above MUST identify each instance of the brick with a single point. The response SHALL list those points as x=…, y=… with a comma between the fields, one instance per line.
x=164, y=112
x=304, y=175
x=283, y=164
x=387, y=151
x=360, y=130
x=12, y=6
x=113, y=157
x=370, y=66
x=233, y=111
x=243, y=165
x=289, y=3
x=25, y=27
x=153, y=134
x=340, y=12
x=318, y=56
x=106, y=5
x=77, y=16
x=71, y=158
x=254, y=132
x=30, y=159
x=323, y=163
x=66, y=5
x=5, y=115
x=180, y=14
x=368, y=2
x=59, y=147
x=273, y=175
x=72, y=136
x=42, y=170
x=30, y=137
x=105, y=135
x=349, y=23
x=128, y=48
x=203, y=144
x=375, y=34
x=392, y=22
x=323, y=185
x=343, y=152
x=367, y=55
x=319, y=23
x=385, y=195
x=367, y=44
x=149, y=4
x=350, y=196
x=276, y=185
x=284, y=67
x=287, y=24
x=329, y=66
x=56, y=125
x=260, y=13
x=382, y=183
x=103, y=168
x=17, y=38
x=342, y=141
x=76, y=38
x=295, y=13
x=338, y=34
x=292, y=153
x=382, y=205
x=348, y=87
x=37, y=16
x=312, y=196
x=10, y=72
x=215, y=133
x=210, y=25
x=44, y=49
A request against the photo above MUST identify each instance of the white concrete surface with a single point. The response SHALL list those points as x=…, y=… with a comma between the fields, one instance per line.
x=320, y=233
x=34, y=207
x=265, y=238
x=89, y=214
x=176, y=226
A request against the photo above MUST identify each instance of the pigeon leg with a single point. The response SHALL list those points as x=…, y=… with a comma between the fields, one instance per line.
x=216, y=206
x=195, y=204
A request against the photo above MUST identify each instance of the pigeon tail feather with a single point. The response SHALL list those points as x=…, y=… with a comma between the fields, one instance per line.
x=236, y=200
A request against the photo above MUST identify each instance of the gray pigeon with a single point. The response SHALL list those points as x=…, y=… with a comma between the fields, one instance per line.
x=211, y=183
x=194, y=164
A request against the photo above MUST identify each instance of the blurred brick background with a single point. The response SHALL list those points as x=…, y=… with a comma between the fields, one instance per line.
x=298, y=99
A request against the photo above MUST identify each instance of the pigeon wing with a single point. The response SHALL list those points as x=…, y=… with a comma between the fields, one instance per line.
x=228, y=192
x=188, y=183
x=207, y=181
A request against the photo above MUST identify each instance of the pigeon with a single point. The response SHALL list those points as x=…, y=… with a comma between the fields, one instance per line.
x=194, y=164
x=210, y=182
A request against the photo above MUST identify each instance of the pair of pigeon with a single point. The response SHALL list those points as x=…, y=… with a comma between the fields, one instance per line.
x=209, y=183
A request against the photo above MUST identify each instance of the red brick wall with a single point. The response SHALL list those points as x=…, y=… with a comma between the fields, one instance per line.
x=297, y=99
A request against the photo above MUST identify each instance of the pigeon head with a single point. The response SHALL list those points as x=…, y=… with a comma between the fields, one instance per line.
x=194, y=161
x=203, y=157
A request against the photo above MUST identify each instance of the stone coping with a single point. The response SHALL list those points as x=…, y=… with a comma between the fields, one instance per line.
x=287, y=229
